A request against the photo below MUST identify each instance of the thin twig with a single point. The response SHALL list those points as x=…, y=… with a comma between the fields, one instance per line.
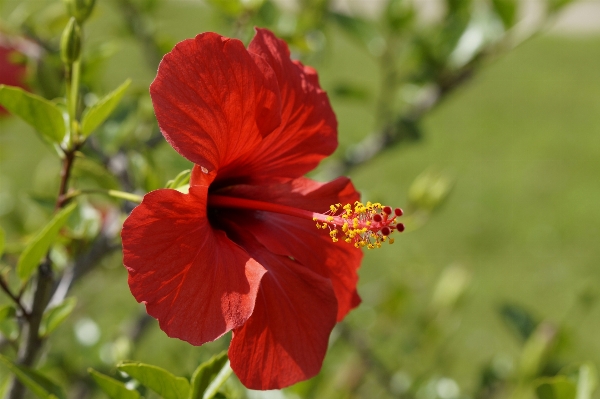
x=16, y=299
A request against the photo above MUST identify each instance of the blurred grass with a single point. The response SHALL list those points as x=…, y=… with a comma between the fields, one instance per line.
x=523, y=143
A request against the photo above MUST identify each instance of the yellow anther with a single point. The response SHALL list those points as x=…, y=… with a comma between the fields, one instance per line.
x=368, y=223
x=345, y=227
x=391, y=241
x=370, y=246
x=333, y=233
x=333, y=208
x=329, y=218
x=315, y=219
x=355, y=245
x=348, y=240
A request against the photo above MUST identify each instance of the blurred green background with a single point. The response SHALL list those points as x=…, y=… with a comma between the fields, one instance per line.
x=445, y=307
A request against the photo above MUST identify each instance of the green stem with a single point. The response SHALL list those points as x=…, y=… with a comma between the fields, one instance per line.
x=219, y=380
x=73, y=97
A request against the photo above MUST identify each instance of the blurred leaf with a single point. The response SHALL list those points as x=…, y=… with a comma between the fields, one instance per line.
x=40, y=244
x=358, y=29
x=536, y=349
x=41, y=386
x=2, y=241
x=99, y=112
x=54, y=316
x=113, y=388
x=399, y=14
x=7, y=312
x=43, y=115
x=181, y=179
x=157, y=379
x=518, y=319
x=350, y=91
x=205, y=373
x=559, y=387
x=556, y=5
x=506, y=10
x=429, y=190
x=88, y=168
x=587, y=381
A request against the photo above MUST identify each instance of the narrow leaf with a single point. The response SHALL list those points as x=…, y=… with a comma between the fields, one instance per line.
x=43, y=115
x=41, y=243
x=97, y=114
x=205, y=373
x=157, y=379
x=54, y=316
x=41, y=386
x=113, y=388
x=587, y=381
x=213, y=388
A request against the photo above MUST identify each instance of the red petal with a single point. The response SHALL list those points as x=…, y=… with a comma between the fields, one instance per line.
x=285, y=339
x=214, y=101
x=300, y=239
x=192, y=278
x=308, y=130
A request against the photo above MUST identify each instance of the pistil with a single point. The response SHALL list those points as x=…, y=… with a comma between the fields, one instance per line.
x=361, y=225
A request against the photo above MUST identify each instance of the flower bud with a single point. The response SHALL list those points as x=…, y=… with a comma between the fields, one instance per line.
x=70, y=42
x=80, y=9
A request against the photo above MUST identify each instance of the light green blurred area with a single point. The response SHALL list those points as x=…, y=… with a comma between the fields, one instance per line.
x=521, y=140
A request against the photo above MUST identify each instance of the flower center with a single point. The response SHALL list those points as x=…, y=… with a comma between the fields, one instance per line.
x=361, y=225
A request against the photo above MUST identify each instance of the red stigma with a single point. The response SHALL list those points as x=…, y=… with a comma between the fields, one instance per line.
x=386, y=231
x=400, y=227
x=377, y=218
x=387, y=210
x=398, y=212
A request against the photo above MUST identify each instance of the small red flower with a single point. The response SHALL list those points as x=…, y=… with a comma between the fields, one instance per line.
x=240, y=251
x=12, y=62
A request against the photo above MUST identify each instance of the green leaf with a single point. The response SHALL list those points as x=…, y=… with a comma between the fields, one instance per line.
x=43, y=115
x=97, y=114
x=7, y=312
x=559, y=387
x=41, y=243
x=506, y=10
x=54, y=316
x=157, y=379
x=181, y=179
x=113, y=388
x=205, y=373
x=41, y=386
x=2, y=241
x=213, y=388
x=587, y=381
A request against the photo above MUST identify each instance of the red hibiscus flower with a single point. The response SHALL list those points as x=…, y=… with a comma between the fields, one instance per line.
x=240, y=252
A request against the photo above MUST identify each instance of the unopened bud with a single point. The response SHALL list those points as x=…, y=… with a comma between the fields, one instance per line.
x=70, y=42
x=80, y=9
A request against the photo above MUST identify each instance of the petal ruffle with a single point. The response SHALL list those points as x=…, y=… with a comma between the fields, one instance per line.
x=308, y=130
x=214, y=101
x=285, y=339
x=300, y=239
x=192, y=278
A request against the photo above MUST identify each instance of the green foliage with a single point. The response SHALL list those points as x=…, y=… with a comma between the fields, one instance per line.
x=205, y=373
x=43, y=115
x=2, y=241
x=40, y=244
x=99, y=112
x=157, y=379
x=506, y=10
x=70, y=42
x=7, y=312
x=181, y=179
x=559, y=387
x=54, y=316
x=113, y=388
x=41, y=386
